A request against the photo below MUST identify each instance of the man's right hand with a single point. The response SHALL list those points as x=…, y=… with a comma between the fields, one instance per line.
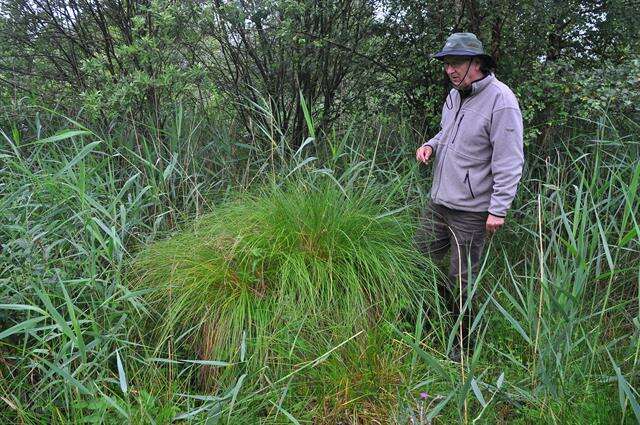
x=423, y=154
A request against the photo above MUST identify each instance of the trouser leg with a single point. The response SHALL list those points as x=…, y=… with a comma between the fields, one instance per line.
x=433, y=239
x=467, y=245
x=463, y=233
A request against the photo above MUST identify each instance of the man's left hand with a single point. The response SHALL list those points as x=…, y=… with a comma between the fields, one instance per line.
x=494, y=223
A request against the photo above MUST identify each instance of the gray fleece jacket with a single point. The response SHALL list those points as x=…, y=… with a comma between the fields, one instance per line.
x=478, y=151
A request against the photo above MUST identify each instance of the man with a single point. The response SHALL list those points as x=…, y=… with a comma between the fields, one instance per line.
x=478, y=163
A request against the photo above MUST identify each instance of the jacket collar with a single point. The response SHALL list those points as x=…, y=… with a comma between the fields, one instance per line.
x=477, y=86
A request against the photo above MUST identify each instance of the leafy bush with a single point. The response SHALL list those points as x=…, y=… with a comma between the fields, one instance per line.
x=557, y=95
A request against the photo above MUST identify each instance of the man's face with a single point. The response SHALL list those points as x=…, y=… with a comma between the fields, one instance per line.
x=462, y=70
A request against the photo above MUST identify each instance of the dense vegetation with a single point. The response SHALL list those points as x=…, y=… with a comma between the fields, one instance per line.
x=206, y=213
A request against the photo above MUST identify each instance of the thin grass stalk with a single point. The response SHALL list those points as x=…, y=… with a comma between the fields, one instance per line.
x=542, y=285
x=461, y=320
x=170, y=341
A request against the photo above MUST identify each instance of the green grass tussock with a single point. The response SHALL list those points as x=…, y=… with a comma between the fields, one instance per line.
x=288, y=255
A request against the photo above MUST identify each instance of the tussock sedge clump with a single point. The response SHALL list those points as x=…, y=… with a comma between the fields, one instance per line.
x=294, y=259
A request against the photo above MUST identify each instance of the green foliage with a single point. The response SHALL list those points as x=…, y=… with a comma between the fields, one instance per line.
x=291, y=294
x=131, y=62
x=110, y=61
x=151, y=74
x=557, y=323
x=261, y=263
x=558, y=94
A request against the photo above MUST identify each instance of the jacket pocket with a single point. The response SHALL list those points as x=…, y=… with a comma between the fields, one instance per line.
x=468, y=181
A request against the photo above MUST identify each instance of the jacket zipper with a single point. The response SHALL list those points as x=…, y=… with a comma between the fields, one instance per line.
x=468, y=181
x=462, y=101
x=457, y=128
x=459, y=107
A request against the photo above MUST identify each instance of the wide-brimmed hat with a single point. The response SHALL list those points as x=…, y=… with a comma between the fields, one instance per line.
x=464, y=44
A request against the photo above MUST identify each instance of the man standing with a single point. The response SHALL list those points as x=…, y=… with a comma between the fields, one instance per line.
x=478, y=163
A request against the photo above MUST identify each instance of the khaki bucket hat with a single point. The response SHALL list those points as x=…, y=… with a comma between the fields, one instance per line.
x=464, y=44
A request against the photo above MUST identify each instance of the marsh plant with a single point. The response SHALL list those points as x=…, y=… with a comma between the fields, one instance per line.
x=170, y=278
x=283, y=262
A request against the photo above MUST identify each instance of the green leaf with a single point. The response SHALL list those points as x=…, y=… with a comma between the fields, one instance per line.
x=477, y=392
x=122, y=377
x=167, y=172
x=307, y=117
x=234, y=392
x=22, y=307
x=624, y=391
x=628, y=237
x=79, y=157
x=68, y=134
x=284, y=412
x=79, y=340
x=511, y=320
x=440, y=406
x=216, y=363
x=22, y=326
x=57, y=317
x=428, y=358
x=68, y=377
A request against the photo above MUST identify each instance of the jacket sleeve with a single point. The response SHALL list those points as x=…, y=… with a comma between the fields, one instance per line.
x=507, y=158
x=433, y=142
